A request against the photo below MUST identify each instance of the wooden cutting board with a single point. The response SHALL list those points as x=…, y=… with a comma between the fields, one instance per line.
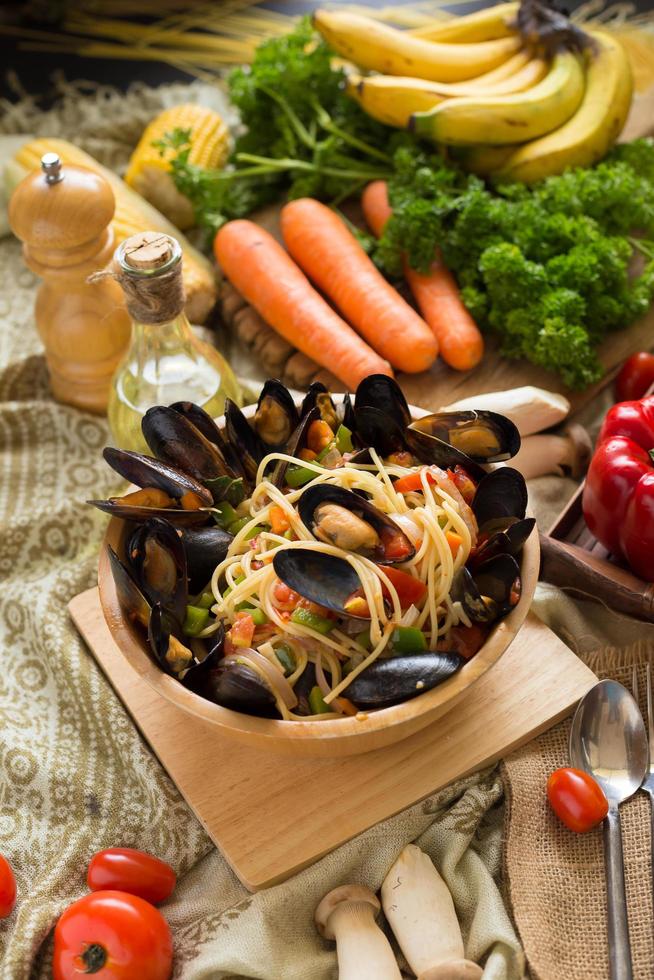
x=317, y=804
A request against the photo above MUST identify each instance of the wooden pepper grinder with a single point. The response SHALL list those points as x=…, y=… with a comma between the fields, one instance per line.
x=62, y=216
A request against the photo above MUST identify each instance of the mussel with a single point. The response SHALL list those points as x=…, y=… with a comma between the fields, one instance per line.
x=156, y=553
x=204, y=423
x=176, y=441
x=205, y=548
x=318, y=396
x=390, y=681
x=484, y=437
x=325, y=579
x=134, y=604
x=238, y=687
x=166, y=491
x=276, y=416
x=293, y=447
x=505, y=540
x=351, y=522
x=491, y=590
x=500, y=494
x=385, y=395
x=242, y=437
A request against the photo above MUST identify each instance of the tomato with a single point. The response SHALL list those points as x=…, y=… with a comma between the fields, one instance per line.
x=242, y=631
x=577, y=800
x=127, y=870
x=464, y=640
x=285, y=598
x=410, y=590
x=7, y=888
x=635, y=377
x=411, y=482
x=319, y=436
x=394, y=544
x=463, y=482
x=113, y=936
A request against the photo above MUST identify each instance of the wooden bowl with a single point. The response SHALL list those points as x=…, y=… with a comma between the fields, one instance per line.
x=333, y=738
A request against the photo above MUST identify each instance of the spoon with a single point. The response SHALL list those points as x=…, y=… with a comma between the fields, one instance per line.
x=608, y=741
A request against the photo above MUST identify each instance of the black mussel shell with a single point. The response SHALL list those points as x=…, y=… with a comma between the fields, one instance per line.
x=293, y=447
x=175, y=440
x=243, y=439
x=484, y=437
x=346, y=413
x=156, y=553
x=302, y=688
x=391, y=681
x=491, y=590
x=318, y=396
x=145, y=471
x=135, y=606
x=384, y=394
x=235, y=686
x=196, y=676
x=376, y=429
x=429, y=449
x=205, y=548
x=323, y=493
x=164, y=635
x=324, y=579
x=504, y=541
x=500, y=494
x=116, y=507
x=204, y=423
x=276, y=416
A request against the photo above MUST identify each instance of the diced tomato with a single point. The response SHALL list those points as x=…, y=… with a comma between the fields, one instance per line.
x=464, y=640
x=396, y=547
x=463, y=482
x=307, y=455
x=409, y=590
x=315, y=608
x=413, y=481
x=319, y=436
x=357, y=605
x=455, y=541
x=285, y=598
x=278, y=520
x=242, y=631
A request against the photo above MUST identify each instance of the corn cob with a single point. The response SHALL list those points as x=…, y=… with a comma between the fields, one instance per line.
x=149, y=168
x=132, y=214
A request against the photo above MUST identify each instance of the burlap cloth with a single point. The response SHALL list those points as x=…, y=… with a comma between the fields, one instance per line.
x=77, y=777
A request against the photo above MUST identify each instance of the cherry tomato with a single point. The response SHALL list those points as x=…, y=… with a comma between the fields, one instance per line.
x=113, y=936
x=635, y=377
x=7, y=888
x=577, y=800
x=124, y=869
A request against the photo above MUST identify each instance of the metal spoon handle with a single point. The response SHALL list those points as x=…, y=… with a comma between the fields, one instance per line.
x=619, y=947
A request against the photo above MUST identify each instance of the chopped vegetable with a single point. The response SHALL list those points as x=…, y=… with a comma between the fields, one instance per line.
x=253, y=532
x=319, y=436
x=455, y=541
x=278, y=520
x=225, y=514
x=238, y=525
x=297, y=476
x=242, y=632
x=304, y=617
x=408, y=639
x=316, y=703
x=344, y=439
x=286, y=659
x=205, y=600
x=273, y=284
x=363, y=639
x=412, y=482
x=324, y=247
x=410, y=590
x=195, y=620
x=394, y=543
x=435, y=291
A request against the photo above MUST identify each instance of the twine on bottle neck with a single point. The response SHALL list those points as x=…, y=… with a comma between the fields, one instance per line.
x=149, y=299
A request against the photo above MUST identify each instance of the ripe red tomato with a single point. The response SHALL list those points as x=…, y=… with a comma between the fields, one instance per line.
x=577, y=800
x=114, y=936
x=7, y=888
x=124, y=869
x=635, y=377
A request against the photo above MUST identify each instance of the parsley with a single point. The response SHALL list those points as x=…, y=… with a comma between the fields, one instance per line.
x=544, y=268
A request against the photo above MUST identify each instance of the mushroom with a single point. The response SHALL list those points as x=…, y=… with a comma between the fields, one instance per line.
x=531, y=409
x=420, y=911
x=567, y=454
x=347, y=914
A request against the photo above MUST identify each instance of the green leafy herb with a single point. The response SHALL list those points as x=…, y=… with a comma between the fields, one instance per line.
x=546, y=269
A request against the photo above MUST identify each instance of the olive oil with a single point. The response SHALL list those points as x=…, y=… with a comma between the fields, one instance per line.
x=165, y=361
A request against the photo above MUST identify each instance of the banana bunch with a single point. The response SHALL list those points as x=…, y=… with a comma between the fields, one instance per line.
x=472, y=83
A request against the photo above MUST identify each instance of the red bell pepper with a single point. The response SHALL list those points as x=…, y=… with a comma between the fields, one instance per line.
x=618, y=499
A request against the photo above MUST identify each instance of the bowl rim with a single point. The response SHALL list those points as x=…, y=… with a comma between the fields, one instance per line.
x=132, y=645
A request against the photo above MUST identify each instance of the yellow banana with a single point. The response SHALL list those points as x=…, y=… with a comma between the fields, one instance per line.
x=392, y=99
x=499, y=119
x=593, y=129
x=505, y=70
x=483, y=25
x=377, y=47
x=482, y=160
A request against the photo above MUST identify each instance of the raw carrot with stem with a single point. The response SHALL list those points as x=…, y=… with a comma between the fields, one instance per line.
x=333, y=259
x=436, y=292
x=271, y=282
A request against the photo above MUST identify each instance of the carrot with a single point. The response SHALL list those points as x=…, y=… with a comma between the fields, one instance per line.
x=278, y=520
x=436, y=292
x=331, y=256
x=455, y=541
x=259, y=268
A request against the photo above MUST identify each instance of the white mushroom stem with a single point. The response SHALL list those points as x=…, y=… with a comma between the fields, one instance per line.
x=420, y=911
x=347, y=914
x=567, y=454
x=531, y=409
